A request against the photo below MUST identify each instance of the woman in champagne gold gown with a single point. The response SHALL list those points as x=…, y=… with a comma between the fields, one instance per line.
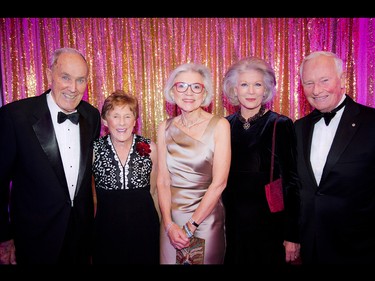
x=193, y=162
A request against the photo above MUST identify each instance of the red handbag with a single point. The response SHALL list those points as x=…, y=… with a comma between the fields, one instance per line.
x=274, y=189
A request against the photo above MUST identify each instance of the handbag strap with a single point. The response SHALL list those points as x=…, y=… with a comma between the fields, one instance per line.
x=273, y=148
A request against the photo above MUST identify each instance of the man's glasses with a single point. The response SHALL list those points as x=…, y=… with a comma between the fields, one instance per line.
x=182, y=87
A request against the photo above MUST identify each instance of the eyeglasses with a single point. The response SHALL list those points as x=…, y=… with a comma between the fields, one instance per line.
x=182, y=87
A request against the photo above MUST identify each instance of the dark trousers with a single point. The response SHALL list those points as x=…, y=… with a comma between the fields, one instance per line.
x=73, y=250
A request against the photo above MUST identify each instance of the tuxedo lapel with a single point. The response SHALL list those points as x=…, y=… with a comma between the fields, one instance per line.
x=307, y=132
x=347, y=128
x=43, y=128
x=84, y=132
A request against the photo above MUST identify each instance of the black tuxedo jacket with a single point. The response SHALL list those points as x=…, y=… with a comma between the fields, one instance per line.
x=338, y=216
x=31, y=169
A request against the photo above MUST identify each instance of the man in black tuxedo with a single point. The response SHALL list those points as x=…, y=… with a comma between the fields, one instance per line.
x=336, y=165
x=46, y=200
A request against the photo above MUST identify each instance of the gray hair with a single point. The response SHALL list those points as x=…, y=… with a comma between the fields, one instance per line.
x=199, y=68
x=338, y=62
x=246, y=64
x=58, y=52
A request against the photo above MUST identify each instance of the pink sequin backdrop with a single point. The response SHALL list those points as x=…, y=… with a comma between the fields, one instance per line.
x=137, y=54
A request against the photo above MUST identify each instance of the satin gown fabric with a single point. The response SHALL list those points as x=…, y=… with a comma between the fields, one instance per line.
x=190, y=165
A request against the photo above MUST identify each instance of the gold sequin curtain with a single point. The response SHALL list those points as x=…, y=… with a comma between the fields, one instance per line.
x=137, y=54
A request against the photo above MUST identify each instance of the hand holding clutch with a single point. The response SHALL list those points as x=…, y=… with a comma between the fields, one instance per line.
x=194, y=253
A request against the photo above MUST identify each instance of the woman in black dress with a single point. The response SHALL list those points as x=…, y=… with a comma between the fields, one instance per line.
x=126, y=220
x=254, y=234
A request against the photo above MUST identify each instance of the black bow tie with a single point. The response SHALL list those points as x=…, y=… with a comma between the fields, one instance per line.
x=74, y=117
x=317, y=115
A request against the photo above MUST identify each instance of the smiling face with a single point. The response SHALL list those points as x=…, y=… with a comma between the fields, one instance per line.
x=322, y=84
x=68, y=80
x=120, y=122
x=188, y=100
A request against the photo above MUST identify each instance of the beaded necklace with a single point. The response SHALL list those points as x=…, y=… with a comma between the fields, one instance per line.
x=188, y=126
x=247, y=123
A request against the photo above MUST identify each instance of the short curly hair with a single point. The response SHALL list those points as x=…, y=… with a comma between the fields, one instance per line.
x=120, y=98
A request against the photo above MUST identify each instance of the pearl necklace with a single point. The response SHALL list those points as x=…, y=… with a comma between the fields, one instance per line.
x=247, y=123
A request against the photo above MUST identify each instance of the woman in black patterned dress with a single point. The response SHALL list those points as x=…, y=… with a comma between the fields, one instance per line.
x=124, y=168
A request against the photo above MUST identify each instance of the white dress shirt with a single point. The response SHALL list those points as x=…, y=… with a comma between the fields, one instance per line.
x=68, y=139
x=321, y=142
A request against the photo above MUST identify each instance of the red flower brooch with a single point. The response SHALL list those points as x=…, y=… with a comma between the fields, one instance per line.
x=143, y=149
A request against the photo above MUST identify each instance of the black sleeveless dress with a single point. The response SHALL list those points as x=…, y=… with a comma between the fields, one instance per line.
x=126, y=229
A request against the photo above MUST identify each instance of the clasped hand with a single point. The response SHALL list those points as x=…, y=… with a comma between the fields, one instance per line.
x=178, y=237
